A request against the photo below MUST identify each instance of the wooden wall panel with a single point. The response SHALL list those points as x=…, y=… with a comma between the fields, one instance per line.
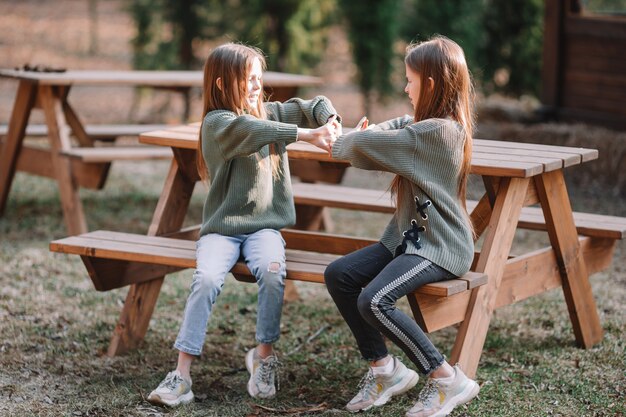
x=584, y=72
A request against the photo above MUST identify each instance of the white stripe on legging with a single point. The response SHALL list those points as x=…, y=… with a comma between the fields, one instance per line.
x=387, y=323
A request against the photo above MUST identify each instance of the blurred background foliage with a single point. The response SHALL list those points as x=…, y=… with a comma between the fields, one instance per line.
x=502, y=39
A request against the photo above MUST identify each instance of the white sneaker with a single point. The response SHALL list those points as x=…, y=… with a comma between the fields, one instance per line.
x=438, y=399
x=376, y=390
x=263, y=374
x=172, y=391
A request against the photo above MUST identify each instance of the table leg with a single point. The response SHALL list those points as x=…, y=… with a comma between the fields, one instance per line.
x=564, y=239
x=24, y=103
x=471, y=335
x=141, y=299
x=78, y=128
x=58, y=134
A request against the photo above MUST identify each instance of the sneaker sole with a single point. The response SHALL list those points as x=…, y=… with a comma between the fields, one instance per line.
x=408, y=382
x=465, y=396
x=183, y=399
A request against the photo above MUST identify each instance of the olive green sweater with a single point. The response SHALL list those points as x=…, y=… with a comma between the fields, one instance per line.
x=244, y=196
x=429, y=155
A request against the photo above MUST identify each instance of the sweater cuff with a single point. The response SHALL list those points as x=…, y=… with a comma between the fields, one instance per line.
x=287, y=133
x=336, y=149
x=326, y=111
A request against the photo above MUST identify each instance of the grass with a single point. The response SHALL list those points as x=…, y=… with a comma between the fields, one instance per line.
x=55, y=329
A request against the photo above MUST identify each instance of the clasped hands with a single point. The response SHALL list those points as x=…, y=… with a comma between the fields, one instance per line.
x=324, y=136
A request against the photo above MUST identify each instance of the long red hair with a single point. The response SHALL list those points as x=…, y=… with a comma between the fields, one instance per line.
x=231, y=63
x=443, y=60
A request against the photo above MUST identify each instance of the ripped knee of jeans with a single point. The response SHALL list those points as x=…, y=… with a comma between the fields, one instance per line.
x=273, y=267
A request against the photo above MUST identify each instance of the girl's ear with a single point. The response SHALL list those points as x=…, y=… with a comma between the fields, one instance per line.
x=218, y=82
x=430, y=84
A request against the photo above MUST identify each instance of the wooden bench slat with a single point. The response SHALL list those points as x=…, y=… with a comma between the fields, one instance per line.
x=338, y=196
x=302, y=265
x=118, y=153
x=104, y=131
x=342, y=197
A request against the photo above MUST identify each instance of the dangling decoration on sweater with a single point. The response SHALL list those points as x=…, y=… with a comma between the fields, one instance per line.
x=412, y=235
x=421, y=208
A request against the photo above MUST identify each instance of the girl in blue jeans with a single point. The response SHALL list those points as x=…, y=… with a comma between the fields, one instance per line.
x=242, y=149
x=428, y=239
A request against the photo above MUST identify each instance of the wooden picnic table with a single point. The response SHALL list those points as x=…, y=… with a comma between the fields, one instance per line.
x=515, y=175
x=87, y=166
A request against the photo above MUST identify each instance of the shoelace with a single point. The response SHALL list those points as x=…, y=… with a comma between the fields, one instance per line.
x=171, y=381
x=269, y=366
x=429, y=389
x=367, y=383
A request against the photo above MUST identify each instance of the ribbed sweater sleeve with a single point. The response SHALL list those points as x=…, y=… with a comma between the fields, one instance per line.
x=304, y=113
x=244, y=135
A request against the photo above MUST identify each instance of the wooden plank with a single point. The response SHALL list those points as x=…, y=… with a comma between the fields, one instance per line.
x=551, y=159
x=139, y=305
x=109, y=274
x=602, y=28
x=325, y=195
x=38, y=161
x=148, y=78
x=474, y=279
x=22, y=107
x=585, y=154
x=503, y=168
x=496, y=247
x=593, y=102
x=328, y=243
x=608, y=80
x=118, y=153
x=97, y=132
x=587, y=224
x=552, y=65
x=520, y=280
x=609, y=120
x=563, y=237
x=135, y=317
x=549, y=164
x=59, y=140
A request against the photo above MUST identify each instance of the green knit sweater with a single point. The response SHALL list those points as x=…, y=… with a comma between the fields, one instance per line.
x=428, y=154
x=244, y=196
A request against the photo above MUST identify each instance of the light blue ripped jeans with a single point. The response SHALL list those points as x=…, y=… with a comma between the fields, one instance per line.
x=264, y=254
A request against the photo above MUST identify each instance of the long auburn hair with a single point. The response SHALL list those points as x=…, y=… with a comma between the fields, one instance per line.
x=443, y=60
x=231, y=62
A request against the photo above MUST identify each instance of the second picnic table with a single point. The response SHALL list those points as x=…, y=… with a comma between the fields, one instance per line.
x=85, y=166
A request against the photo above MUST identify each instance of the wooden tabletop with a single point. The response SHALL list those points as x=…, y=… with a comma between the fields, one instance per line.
x=148, y=78
x=494, y=158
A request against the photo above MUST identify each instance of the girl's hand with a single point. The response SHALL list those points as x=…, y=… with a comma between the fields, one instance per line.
x=322, y=137
x=336, y=125
x=363, y=123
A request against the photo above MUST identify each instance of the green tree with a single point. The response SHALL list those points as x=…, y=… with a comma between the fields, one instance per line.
x=165, y=33
x=513, y=46
x=292, y=33
x=459, y=20
x=373, y=28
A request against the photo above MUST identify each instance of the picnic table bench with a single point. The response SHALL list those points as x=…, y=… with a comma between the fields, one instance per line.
x=87, y=165
x=516, y=177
